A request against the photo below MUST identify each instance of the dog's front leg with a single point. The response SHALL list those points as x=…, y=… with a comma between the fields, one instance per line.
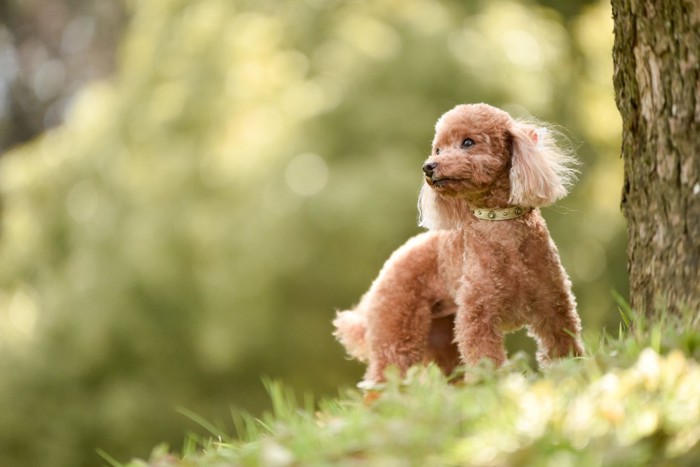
x=397, y=334
x=556, y=326
x=476, y=330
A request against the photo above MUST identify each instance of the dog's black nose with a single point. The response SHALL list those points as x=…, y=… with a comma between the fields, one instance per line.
x=429, y=168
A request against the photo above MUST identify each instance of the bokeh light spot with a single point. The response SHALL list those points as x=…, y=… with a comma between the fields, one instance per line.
x=372, y=37
x=522, y=49
x=22, y=312
x=49, y=80
x=78, y=35
x=82, y=201
x=307, y=174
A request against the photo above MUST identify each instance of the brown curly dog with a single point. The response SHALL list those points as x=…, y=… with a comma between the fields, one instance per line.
x=487, y=266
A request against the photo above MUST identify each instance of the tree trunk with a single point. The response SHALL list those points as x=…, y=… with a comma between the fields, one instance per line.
x=657, y=86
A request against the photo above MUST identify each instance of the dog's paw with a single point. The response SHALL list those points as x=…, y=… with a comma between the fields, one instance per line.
x=371, y=385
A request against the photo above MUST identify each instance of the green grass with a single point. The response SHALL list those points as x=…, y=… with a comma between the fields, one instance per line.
x=632, y=400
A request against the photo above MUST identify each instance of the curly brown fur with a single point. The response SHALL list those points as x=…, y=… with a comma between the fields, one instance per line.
x=449, y=295
x=411, y=301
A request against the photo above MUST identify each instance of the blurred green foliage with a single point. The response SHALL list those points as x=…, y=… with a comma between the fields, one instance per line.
x=196, y=221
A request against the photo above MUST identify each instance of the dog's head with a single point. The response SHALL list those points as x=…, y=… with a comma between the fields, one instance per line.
x=481, y=157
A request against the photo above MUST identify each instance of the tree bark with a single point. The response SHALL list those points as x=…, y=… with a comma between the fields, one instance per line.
x=657, y=86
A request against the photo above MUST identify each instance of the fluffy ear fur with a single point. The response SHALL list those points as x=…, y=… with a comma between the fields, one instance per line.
x=439, y=212
x=541, y=171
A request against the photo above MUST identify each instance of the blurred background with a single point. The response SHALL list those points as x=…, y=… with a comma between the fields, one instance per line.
x=190, y=189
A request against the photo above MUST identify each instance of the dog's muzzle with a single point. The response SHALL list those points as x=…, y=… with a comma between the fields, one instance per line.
x=429, y=169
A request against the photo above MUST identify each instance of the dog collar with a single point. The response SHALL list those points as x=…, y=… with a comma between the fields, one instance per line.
x=500, y=214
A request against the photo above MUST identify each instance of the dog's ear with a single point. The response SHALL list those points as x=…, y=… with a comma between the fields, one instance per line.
x=541, y=172
x=437, y=212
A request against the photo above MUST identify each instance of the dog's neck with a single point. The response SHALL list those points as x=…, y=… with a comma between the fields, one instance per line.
x=495, y=196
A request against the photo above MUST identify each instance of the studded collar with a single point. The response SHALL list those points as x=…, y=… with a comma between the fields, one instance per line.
x=501, y=214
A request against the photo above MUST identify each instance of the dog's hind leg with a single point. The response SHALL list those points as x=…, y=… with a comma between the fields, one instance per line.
x=442, y=348
x=397, y=334
x=398, y=307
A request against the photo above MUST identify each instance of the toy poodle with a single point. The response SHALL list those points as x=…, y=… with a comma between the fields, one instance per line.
x=486, y=267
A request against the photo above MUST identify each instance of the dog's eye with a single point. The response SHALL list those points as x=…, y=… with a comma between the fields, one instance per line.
x=437, y=151
x=467, y=143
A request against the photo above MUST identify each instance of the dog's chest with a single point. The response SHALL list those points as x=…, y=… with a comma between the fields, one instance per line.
x=501, y=254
